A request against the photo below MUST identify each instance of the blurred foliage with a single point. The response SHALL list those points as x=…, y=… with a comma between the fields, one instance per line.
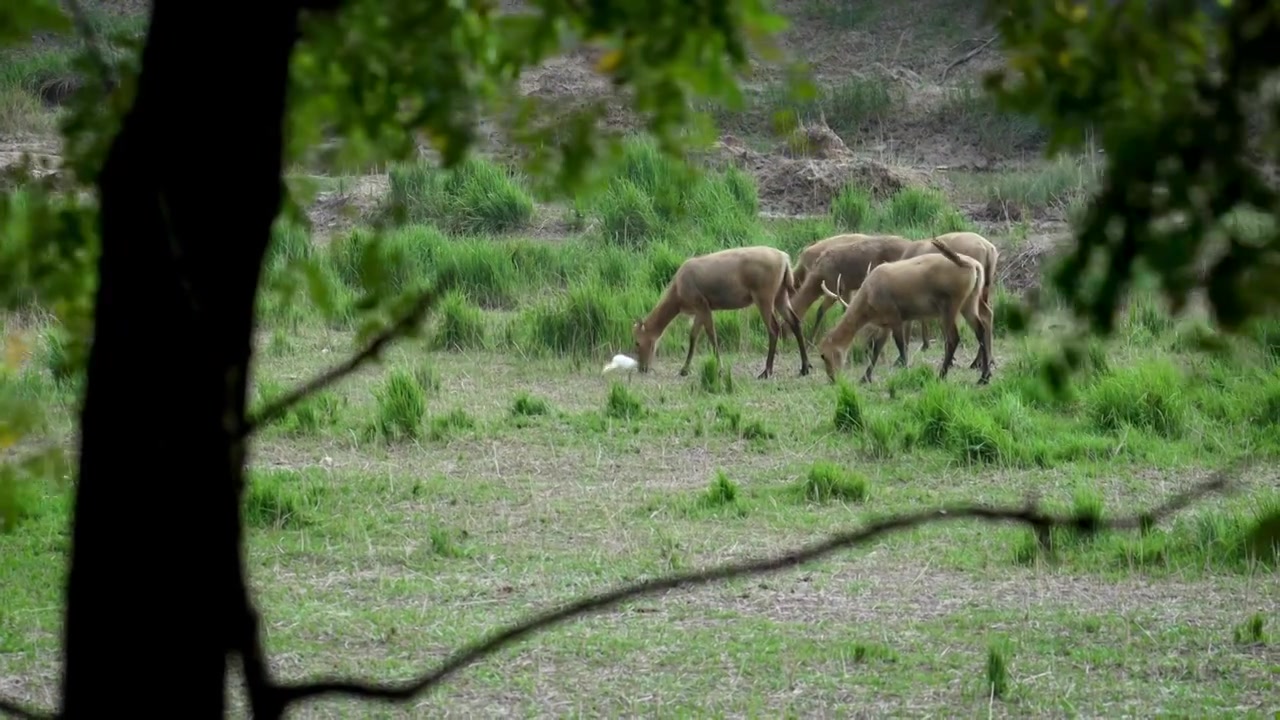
x=379, y=76
x=1175, y=99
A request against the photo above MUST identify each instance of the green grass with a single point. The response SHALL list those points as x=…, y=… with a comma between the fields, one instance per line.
x=1053, y=189
x=34, y=77
x=489, y=470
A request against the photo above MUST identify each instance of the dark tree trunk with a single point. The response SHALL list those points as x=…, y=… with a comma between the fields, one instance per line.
x=156, y=597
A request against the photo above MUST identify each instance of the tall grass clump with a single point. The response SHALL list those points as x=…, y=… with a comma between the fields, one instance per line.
x=1146, y=318
x=852, y=209
x=716, y=378
x=623, y=404
x=587, y=319
x=721, y=498
x=314, y=414
x=921, y=211
x=401, y=405
x=475, y=197
x=849, y=415
x=827, y=482
x=1057, y=185
x=627, y=215
x=651, y=195
x=664, y=261
x=997, y=683
x=1148, y=397
x=450, y=423
x=280, y=500
x=402, y=259
x=526, y=405
x=949, y=419
x=22, y=113
x=289, y=243
x=459, y=324
x=857, y=103
x=482, y=269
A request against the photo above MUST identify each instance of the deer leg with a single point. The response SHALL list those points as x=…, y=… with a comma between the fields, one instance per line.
x=797, y=329
x=982, y=331
x=817, y=320
x=900, y=339
x=771, y=324
x=877, y=344
x=952, y=335
x=694, y=328
x=987, y=316
x=924, y=335
x=709, y=324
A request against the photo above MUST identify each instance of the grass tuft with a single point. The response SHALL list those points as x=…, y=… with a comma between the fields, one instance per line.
x=849, y=415
x=828, y=482
x=401, y=403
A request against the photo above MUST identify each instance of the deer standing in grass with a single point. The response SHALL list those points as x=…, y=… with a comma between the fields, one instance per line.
x=977, y=247
x=942, y=285
x=730, y=279
x=849, y=260
x=805, y=262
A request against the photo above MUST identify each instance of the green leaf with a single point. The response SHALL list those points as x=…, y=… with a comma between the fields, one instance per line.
x=321, y=288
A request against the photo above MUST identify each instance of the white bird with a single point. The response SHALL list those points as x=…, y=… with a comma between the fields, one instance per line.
x=621, y=362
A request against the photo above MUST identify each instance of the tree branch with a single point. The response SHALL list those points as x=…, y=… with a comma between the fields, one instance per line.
x=273, y=699
x=967, y=57
x=1039, y=522
x=371, y=352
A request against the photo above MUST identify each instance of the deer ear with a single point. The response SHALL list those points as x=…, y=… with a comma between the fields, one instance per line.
x=639, y=325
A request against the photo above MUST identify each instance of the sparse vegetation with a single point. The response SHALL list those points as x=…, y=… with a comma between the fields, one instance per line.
x=488, y=469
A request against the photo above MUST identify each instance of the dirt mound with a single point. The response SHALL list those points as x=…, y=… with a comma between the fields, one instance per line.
x=1021, y=269
x=334, y=211
x=792, y=184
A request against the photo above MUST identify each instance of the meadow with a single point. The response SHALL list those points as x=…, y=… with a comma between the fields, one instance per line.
x=488, y=469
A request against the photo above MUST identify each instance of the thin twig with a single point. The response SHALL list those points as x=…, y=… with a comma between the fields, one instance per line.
x=1027, y=515
x=370, y=352
x=967, y=56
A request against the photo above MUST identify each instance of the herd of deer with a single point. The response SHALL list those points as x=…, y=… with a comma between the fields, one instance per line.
x=885, y=281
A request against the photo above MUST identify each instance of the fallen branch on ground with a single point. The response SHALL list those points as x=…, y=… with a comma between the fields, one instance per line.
x=967, y=57
x=279, y=697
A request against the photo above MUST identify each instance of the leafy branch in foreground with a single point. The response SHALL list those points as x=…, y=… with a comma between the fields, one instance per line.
x=402, y=327
x=1175, y=98
x=279, y=697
